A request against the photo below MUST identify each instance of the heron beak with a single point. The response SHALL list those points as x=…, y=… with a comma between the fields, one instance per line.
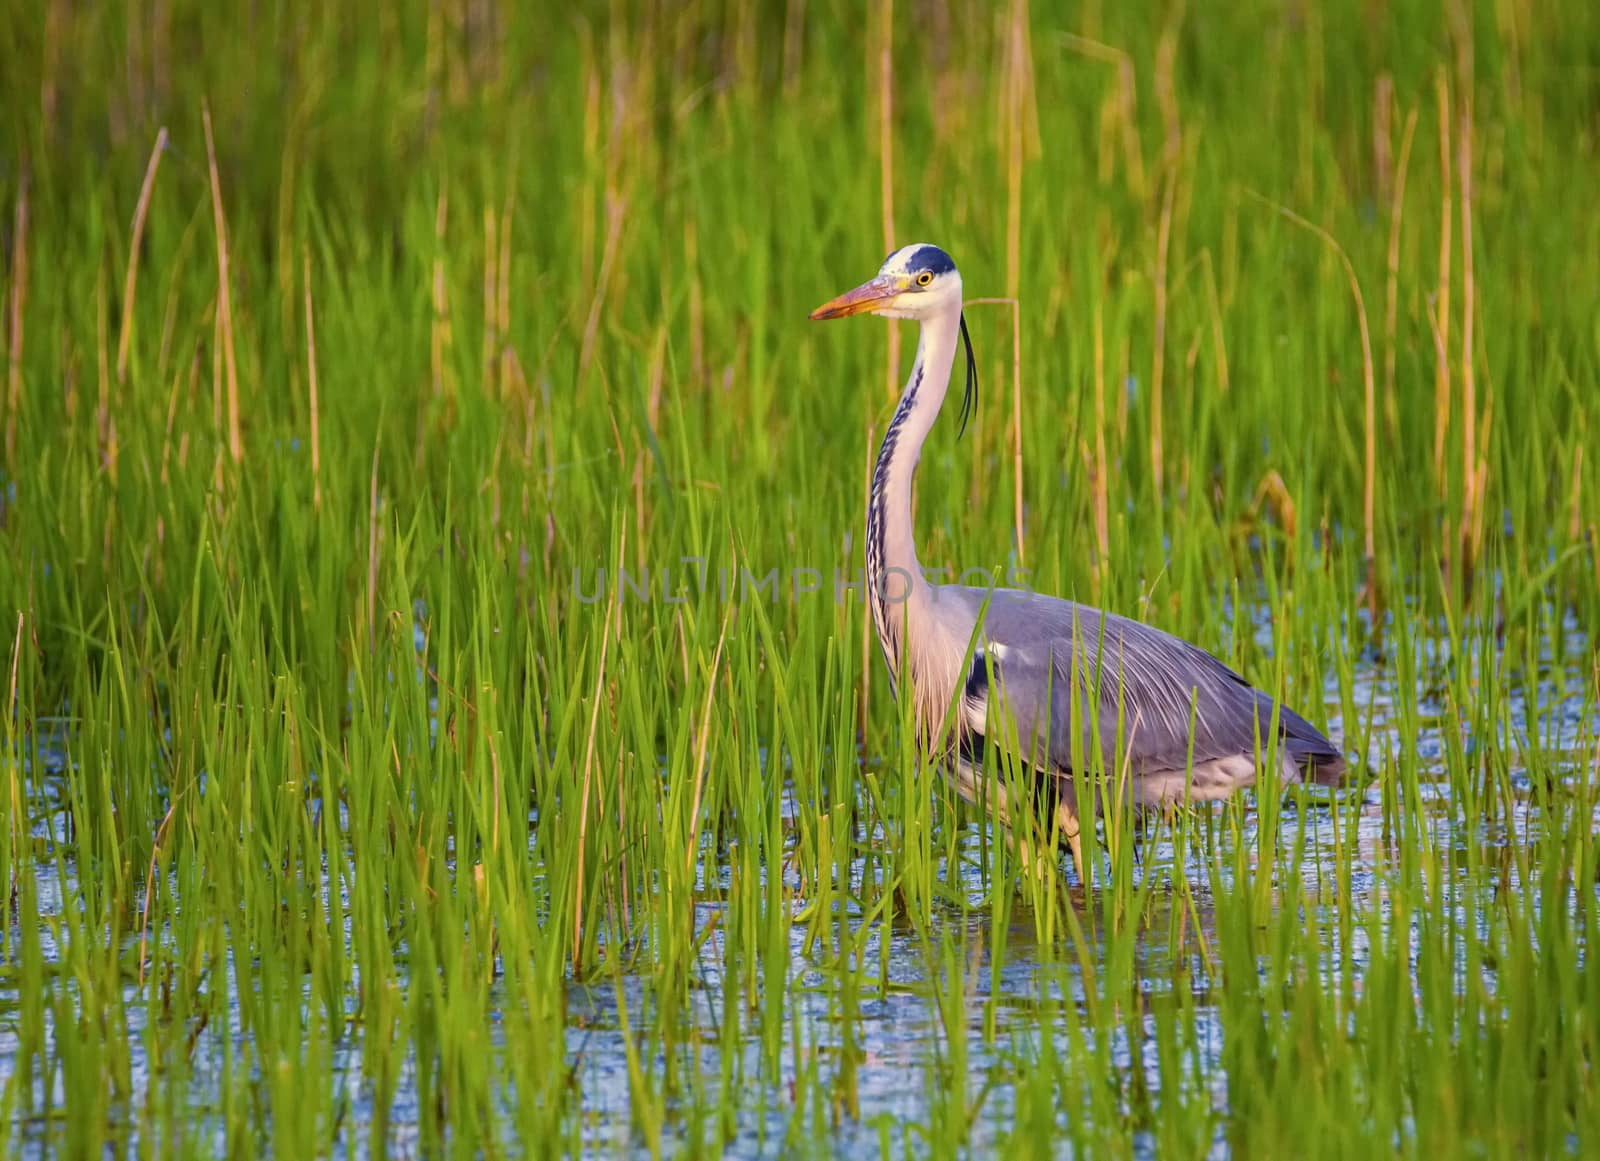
x=868, y=297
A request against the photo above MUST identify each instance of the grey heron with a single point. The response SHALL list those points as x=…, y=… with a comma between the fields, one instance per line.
x=1182, y=725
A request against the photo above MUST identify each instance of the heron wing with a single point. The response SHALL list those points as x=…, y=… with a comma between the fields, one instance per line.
x=1072, y=676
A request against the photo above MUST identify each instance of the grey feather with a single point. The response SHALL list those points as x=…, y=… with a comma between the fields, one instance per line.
x=1074, y=684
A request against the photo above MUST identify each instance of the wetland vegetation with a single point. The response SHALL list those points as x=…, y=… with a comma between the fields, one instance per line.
x=348, y=811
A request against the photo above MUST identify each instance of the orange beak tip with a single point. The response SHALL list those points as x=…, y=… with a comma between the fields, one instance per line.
x=869, y=296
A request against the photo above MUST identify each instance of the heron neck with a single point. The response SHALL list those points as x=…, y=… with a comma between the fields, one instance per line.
x=895, y=583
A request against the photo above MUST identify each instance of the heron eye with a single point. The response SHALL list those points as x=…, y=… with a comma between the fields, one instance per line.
x=925, y=278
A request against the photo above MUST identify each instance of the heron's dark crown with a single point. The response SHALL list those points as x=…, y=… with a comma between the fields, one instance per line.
x=926, y=256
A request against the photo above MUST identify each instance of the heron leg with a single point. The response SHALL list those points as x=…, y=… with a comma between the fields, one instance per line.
x=1034, y=858
x=1072, y=831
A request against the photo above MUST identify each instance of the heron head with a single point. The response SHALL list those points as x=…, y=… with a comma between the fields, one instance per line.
x=918, y=281
x=914, y=282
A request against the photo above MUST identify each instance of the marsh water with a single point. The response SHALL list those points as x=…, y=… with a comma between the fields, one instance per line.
x=877, y=1051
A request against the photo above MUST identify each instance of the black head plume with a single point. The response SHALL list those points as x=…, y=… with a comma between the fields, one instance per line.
x=969, y=400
